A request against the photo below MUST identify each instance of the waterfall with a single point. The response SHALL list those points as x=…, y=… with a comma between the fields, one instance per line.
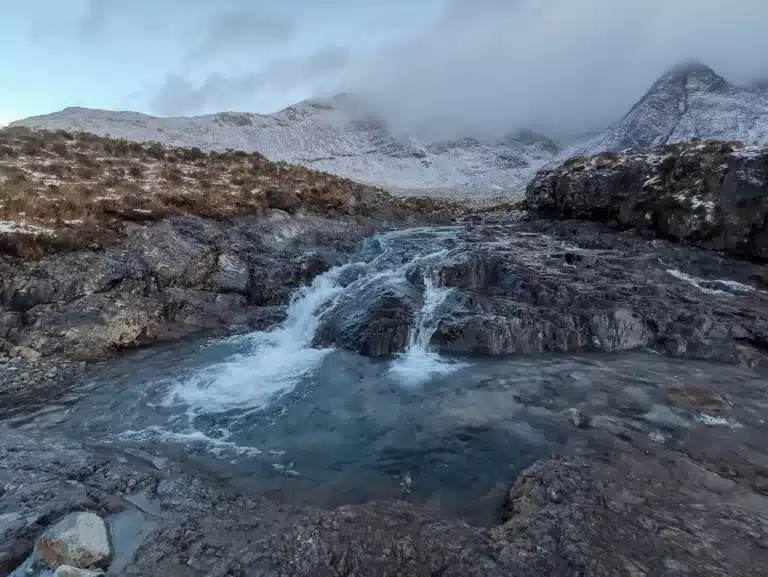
x=419, y=363
x=274, y=362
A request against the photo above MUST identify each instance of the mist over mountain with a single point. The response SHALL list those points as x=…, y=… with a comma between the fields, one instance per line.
x=562, y=68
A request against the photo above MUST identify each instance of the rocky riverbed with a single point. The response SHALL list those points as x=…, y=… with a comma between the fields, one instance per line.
x=384, y=389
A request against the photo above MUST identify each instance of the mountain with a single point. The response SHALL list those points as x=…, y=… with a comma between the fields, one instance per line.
x=335, y=135
x=689, y=102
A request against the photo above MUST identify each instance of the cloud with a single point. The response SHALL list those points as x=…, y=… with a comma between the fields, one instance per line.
x=179, y=96
x=238, y=29
x=562, y=67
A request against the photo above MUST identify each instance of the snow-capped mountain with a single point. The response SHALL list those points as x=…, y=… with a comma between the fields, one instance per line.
x=334, y=135
x=339, y=135
x=688, y=102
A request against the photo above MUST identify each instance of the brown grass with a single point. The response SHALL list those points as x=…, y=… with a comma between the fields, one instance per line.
x=85, y=189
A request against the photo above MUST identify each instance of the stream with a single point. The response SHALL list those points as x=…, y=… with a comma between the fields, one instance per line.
x=315, y=425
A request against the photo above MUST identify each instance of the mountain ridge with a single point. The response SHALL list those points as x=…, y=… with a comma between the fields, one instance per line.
x=690, y=101
x=335, y=135
x=340, y=135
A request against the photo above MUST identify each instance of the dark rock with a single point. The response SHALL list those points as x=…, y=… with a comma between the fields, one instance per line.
x=170, y=279
x=572, y=286
x=374, y=320
x=713, y=194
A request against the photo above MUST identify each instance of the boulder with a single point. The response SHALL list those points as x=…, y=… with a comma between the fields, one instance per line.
x=373, y=320
x=25, y=353
x=79, y=540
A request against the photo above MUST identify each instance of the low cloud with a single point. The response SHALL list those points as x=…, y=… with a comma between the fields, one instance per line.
x=178, y=96
x=563, y=67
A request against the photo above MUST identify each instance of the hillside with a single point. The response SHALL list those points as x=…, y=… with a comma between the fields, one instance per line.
x=62, y=190
x=334, y=135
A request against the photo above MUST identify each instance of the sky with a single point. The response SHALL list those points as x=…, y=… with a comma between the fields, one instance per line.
x=469, y=67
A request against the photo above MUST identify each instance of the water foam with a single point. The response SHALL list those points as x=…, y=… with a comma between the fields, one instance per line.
x=705, y=285
x=419, y=363
x=273, y=363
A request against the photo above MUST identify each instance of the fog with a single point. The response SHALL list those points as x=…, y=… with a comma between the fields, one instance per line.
x=446, y=67
x=561, y=67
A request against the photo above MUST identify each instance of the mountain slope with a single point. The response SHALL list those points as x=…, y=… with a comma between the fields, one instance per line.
x=336, y=136
x=688, y=102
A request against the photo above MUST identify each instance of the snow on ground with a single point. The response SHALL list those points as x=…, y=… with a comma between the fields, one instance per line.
x=15, y=227
x=331, y=136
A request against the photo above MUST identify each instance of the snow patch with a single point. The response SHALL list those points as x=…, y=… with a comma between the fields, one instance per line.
x=14, y=227
x=705, y=286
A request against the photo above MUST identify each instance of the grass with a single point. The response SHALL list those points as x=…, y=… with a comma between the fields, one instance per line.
x=86, y=189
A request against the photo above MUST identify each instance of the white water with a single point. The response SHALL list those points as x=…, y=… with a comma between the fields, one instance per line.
x=703, y=284
x=274, y=363
x=419, y=362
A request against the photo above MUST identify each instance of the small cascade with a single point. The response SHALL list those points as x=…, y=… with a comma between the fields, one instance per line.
x=274, y=362
x=270, y=364
x=419, y=363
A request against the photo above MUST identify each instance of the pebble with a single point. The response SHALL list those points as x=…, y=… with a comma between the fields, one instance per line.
x=578, y=419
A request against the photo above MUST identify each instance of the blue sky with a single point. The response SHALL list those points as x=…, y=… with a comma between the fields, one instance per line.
x=468, y=66
x=127, y=54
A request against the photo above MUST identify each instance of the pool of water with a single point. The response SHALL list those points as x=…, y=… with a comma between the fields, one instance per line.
x=326, y=427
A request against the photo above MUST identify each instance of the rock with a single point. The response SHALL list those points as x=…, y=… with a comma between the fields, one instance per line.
x=374, y=321
x=169, y=280
x=80, y=540
x=713, y=195
x=578, y=419
x=25, y=353
x=519, y=289
x=282, y=199
x=67, y=571
x=697, y=397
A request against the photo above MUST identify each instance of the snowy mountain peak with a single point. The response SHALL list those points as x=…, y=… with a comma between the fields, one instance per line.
x=690, y=75
x=690, y=101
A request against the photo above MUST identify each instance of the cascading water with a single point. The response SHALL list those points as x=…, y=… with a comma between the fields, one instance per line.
x=235, y=383
x=419, y=362
x=273, y=363
x=331, y=427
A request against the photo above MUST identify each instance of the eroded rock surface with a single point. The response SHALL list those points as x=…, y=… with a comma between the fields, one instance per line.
x=552, y=286
x=170, y=280
x=711, y=194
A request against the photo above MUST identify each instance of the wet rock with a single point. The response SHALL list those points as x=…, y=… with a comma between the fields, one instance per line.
x=374, y=320
x=169, y=280
x=578, y=419
x=79, y=540
x=518, y=291
x=697, y=397
x=601, y=522
x=713, y=195
x=232, y=274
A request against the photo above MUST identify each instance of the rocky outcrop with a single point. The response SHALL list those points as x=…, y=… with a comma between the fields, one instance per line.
x=373, y=321
x=713, y=195
x=557, y=286
x=79, y=540
x=644, y=509
x=169, y=280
